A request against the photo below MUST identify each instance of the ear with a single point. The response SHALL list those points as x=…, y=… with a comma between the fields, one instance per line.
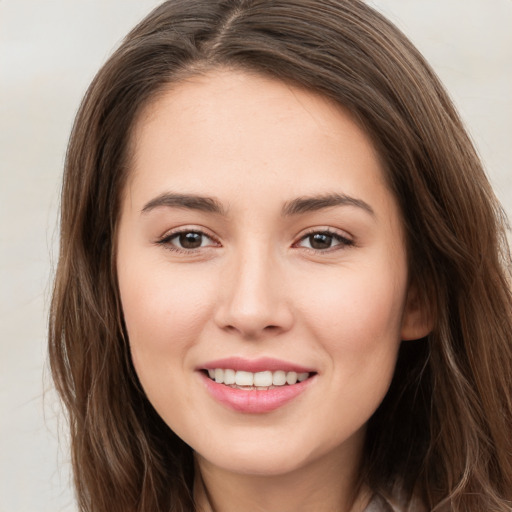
x=418, y=318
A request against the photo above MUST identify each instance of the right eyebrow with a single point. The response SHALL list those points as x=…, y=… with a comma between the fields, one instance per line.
x=187, y=201
x=314, y=203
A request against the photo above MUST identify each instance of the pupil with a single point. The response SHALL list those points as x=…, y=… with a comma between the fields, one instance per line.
x=190, y=240
x=320, y=241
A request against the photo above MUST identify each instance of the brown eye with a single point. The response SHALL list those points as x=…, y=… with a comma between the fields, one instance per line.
x=324, y=240
x=190, y=240
x=320, y=241
x=187, y=241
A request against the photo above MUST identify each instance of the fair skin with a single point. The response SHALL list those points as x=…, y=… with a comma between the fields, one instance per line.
x=257, y=271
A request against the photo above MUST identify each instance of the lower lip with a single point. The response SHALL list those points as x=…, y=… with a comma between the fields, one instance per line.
x=255, y=401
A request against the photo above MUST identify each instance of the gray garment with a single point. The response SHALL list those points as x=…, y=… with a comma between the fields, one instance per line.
x=378, y=504
x=381, y=504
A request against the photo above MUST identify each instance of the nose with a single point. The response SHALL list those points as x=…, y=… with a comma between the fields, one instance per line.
x=254, y=300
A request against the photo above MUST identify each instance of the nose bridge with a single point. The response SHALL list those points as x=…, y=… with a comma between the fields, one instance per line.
x=255, y=302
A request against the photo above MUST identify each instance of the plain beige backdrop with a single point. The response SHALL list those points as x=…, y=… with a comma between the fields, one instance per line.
x=49, y=51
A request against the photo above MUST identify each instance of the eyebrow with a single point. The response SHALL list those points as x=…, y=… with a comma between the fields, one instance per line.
x=314, y=203
x=187, y=201
x=296, y=206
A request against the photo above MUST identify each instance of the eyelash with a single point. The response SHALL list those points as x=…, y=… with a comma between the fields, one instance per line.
x=166, y=241
x=343, y=242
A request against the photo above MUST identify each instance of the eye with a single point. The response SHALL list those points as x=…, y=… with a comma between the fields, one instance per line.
x=322, y=241
x=187, y=240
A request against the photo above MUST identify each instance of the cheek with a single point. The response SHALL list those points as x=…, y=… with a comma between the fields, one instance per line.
x=357, y=324
x=358, y=309
x=357, y=320
x=164, y=313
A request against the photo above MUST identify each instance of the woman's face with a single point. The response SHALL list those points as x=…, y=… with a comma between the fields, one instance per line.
x=258, y=242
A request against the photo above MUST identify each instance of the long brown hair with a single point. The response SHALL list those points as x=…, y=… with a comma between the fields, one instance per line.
x=444, y=431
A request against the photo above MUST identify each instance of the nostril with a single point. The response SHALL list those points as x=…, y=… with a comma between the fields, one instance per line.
x=249, y=331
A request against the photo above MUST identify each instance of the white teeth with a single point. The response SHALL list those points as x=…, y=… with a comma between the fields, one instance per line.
x=263, y=379
x=279, y=378
x=291, y=378
x=244, y=378
x=229, y=376
x=259, y=380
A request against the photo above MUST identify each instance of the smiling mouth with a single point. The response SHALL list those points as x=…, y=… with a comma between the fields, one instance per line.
x=262, y=381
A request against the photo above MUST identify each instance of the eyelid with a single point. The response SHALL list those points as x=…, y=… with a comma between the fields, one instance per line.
x=165, y=239
x=345, y=240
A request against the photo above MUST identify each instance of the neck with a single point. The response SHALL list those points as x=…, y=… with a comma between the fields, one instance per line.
x=323, y=486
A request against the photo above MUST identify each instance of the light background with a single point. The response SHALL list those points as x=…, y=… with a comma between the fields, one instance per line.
x=49, y=51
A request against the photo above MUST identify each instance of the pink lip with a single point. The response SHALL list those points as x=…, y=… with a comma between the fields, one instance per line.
x=254, y=401
x=255, y=365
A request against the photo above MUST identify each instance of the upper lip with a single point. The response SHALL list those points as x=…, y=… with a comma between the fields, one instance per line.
x=255, y=365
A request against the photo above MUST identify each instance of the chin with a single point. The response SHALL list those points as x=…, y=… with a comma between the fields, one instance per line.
x=278, y=454
x=255, y=462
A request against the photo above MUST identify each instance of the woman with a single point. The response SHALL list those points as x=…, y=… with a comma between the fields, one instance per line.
x=283, y=278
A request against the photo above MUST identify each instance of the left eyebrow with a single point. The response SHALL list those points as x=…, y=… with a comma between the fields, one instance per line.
x=186, y=201
x=314, y=203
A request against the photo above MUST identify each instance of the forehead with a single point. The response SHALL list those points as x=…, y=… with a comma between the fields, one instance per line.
x=225, y=131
